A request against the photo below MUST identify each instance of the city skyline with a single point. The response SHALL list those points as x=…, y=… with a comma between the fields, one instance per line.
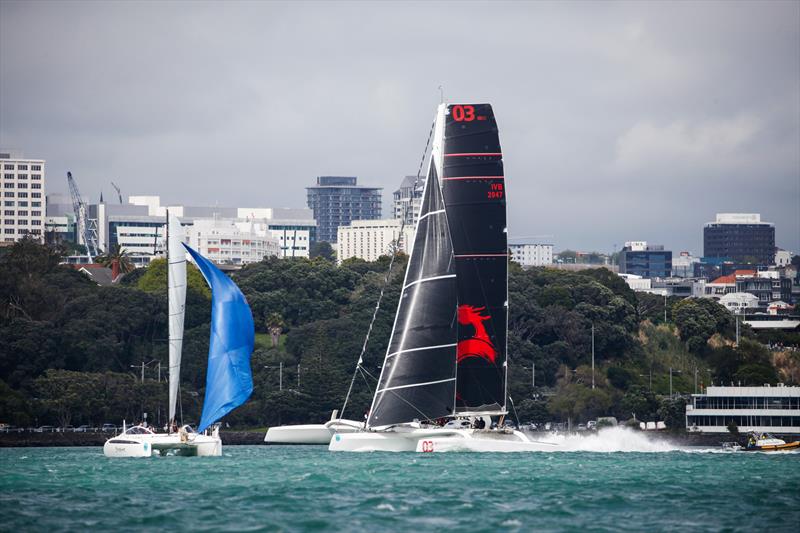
x=618, y=121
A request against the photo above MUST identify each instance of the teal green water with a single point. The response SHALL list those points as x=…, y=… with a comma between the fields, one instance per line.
x=254, y=488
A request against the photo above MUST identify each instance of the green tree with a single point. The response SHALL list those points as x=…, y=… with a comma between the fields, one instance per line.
x=118, y=260
x=322, y=249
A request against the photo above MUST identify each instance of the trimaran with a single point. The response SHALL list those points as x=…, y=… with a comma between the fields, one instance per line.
x=447, y=354
x=229, y=380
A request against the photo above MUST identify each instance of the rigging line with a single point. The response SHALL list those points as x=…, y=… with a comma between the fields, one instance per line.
x=388, y=272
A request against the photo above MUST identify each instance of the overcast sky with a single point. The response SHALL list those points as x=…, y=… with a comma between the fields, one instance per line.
x=619, y=121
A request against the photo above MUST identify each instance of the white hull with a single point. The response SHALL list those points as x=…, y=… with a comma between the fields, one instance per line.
x=310, y=433
x=148, y=445
x=438, y=440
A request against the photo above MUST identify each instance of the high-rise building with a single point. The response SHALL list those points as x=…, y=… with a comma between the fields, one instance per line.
x=225, y=241
x=407, y=200
x=648, y=261
x=740, y=237
x=22, y=183
x=532, y=254
x=370, y=239
x=338, y=200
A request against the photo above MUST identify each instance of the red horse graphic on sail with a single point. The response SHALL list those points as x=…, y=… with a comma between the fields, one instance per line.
x=479, y=345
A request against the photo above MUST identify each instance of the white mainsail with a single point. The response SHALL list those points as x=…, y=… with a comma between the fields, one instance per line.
x=176, y=276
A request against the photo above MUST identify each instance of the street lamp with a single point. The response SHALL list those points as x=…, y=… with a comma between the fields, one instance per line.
x=280, y=375
x=671, y=371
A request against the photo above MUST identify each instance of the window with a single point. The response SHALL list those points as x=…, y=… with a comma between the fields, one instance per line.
x=36, y=176
x=36, y=231
x=22, y=214
x=22, y=167
x=36, y=213
x=22, y=223
x=36, y=222
x=8, y=176
x=9, y=212
x=8, y=167
x=22, y=176
x=36, y=204
x=9, y=221
x=36, y=167
x=22, y=185
x=34, y=185
x=9, y=194
x=9, y=231
x=8, y=185
x=8, y=203
x=33, y=195
x=23, y=204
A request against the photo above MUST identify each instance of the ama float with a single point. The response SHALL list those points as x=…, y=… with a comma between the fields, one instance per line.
x=446, y=356
x=229, y=381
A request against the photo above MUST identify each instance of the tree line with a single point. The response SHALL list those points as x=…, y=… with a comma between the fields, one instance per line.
x=71, y=352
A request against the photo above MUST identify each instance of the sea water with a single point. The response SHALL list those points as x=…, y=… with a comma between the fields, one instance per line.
x=614, y=481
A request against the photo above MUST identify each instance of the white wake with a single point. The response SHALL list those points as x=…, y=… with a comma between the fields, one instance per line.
x=617, y=439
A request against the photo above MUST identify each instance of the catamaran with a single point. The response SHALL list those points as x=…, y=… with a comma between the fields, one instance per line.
x=447, y=356
x=229, y=380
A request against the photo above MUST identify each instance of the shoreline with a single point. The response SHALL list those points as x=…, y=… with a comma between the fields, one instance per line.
x=241, y=438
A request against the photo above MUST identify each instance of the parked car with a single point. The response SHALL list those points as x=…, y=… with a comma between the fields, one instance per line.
x=66, y=429
x=45, y=429
x=11, y=429
x=108, y=428
x=581, y=427
x=83, y=429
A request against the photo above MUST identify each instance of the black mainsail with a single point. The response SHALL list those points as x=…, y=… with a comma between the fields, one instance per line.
x=418, y=375
x=447, y=352
x=475, y=200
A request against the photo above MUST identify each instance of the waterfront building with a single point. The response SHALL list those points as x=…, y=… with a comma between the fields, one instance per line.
x=338, y=200
x=648, y=261
x=682, y=287
x=739, y=303
x=22, y=182
x=532, y=254
x=763, y=409
x=740, y=237
x=370, y=239
x=407, y=200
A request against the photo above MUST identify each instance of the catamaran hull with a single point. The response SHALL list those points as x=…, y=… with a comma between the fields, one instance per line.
x=200, y=446
x=437, y=440
x=310, y=433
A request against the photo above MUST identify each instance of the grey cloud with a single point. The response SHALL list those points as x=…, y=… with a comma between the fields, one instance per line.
x=619, y=120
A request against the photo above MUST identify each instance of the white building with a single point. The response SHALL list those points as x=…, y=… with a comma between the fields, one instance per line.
x=225, y=241
x=637, y=283
x=407, y=200
x=529, y=255
x=783, y=258
x=138, y=226
x=739, y=302
x=370, y=239
x=22, y=183
x=683, y=265
x=762, y=409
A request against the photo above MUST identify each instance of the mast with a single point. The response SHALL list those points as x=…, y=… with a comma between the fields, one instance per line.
x=417, y=379
x=474, y=193
x=176, y=295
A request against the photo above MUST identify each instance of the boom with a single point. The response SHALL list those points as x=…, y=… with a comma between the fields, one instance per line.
x=87, y=230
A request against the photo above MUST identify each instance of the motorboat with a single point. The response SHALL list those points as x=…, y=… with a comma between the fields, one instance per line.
x=229, y=380
x=142, y=441
x=312, y=433
x=447, y=356
x=764, y=442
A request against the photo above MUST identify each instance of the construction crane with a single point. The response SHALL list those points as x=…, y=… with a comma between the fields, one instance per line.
x=87, y=228
x=119, y=193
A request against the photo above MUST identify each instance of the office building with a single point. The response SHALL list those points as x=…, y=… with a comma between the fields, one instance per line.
x=226, y=241
x=648, y=261
x=683, y=265
x=338, y=200
x=22, y=182
x=407, y=200
x=741, y=238
x=532, y=254
x=370, y=239
x=762, y=409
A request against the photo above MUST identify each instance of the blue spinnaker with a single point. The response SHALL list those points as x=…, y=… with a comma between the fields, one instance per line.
x=229, y=381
